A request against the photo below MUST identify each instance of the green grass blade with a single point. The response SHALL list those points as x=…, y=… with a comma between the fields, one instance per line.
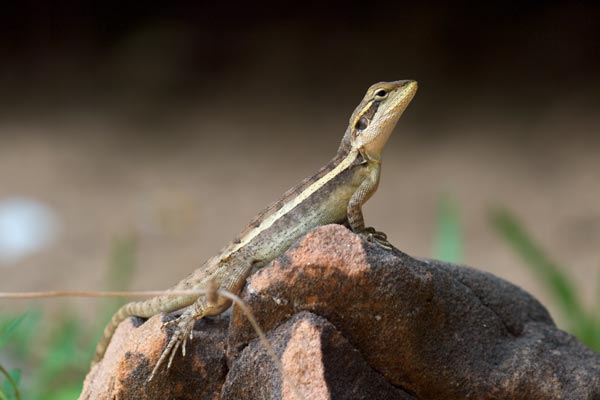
x=11, y=383
x=120, y=272
x=596, y=316
x=556, y=282
x=11, y=326
x=448, y=240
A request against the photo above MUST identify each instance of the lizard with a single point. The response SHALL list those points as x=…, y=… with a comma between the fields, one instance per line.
x=335, y=194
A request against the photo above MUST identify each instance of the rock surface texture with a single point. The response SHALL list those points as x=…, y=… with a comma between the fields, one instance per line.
x=349, y=320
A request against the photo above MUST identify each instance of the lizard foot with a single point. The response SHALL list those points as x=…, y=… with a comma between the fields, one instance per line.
x=374, y=236
x=183, y=330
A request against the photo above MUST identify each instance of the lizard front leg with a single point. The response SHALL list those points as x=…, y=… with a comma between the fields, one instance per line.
x=355, y=215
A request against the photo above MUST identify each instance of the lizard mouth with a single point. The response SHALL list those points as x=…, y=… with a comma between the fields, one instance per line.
x=407, y=92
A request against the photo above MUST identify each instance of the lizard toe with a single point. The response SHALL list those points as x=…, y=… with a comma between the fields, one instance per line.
x=372, y=235
x=183, y=330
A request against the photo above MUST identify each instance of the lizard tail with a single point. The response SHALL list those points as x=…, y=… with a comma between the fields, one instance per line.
x=110, y=329
x=143, y=309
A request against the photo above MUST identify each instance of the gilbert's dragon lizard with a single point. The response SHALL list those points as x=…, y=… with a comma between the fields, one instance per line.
x=335, y=194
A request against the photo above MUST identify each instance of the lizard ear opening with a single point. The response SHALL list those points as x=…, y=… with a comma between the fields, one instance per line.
x=362, y=124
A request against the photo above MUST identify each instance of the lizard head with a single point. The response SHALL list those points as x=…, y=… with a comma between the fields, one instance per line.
x=376, y=116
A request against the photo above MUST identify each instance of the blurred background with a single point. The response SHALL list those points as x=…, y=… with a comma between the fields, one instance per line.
x=160, y=130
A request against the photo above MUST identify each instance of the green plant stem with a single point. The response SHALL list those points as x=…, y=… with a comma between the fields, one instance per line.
x=448, y=239
x=12, y=383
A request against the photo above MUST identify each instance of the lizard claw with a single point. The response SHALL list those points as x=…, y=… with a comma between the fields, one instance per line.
x=171, y=356
x=374, y=236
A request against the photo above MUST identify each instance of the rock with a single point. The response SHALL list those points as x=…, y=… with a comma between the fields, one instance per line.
x=123, y=372
x=349, y=321
x=315, y=357
x=435, y=330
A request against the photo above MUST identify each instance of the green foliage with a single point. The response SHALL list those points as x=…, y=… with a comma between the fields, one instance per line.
x=21, y=334
x=583, y=324
x=448, y=240
x=55, y=360
x=10, y=383
x=64, y=363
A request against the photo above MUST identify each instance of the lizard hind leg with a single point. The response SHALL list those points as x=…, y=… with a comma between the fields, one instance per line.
x=184, y=325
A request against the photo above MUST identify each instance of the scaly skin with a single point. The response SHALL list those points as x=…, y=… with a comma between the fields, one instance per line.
x=335, y=194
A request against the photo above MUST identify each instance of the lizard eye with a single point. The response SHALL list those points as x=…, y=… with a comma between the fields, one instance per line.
x=381, y=94
x=362, y=123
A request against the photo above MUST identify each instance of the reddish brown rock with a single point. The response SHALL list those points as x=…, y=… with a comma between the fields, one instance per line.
x=315, y=358
x=435, y=330
x=388, y=326
x=124, y=370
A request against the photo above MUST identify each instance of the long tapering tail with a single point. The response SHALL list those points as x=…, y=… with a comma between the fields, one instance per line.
x=143, y=309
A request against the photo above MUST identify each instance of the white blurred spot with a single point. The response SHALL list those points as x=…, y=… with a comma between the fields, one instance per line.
x=26, y=226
